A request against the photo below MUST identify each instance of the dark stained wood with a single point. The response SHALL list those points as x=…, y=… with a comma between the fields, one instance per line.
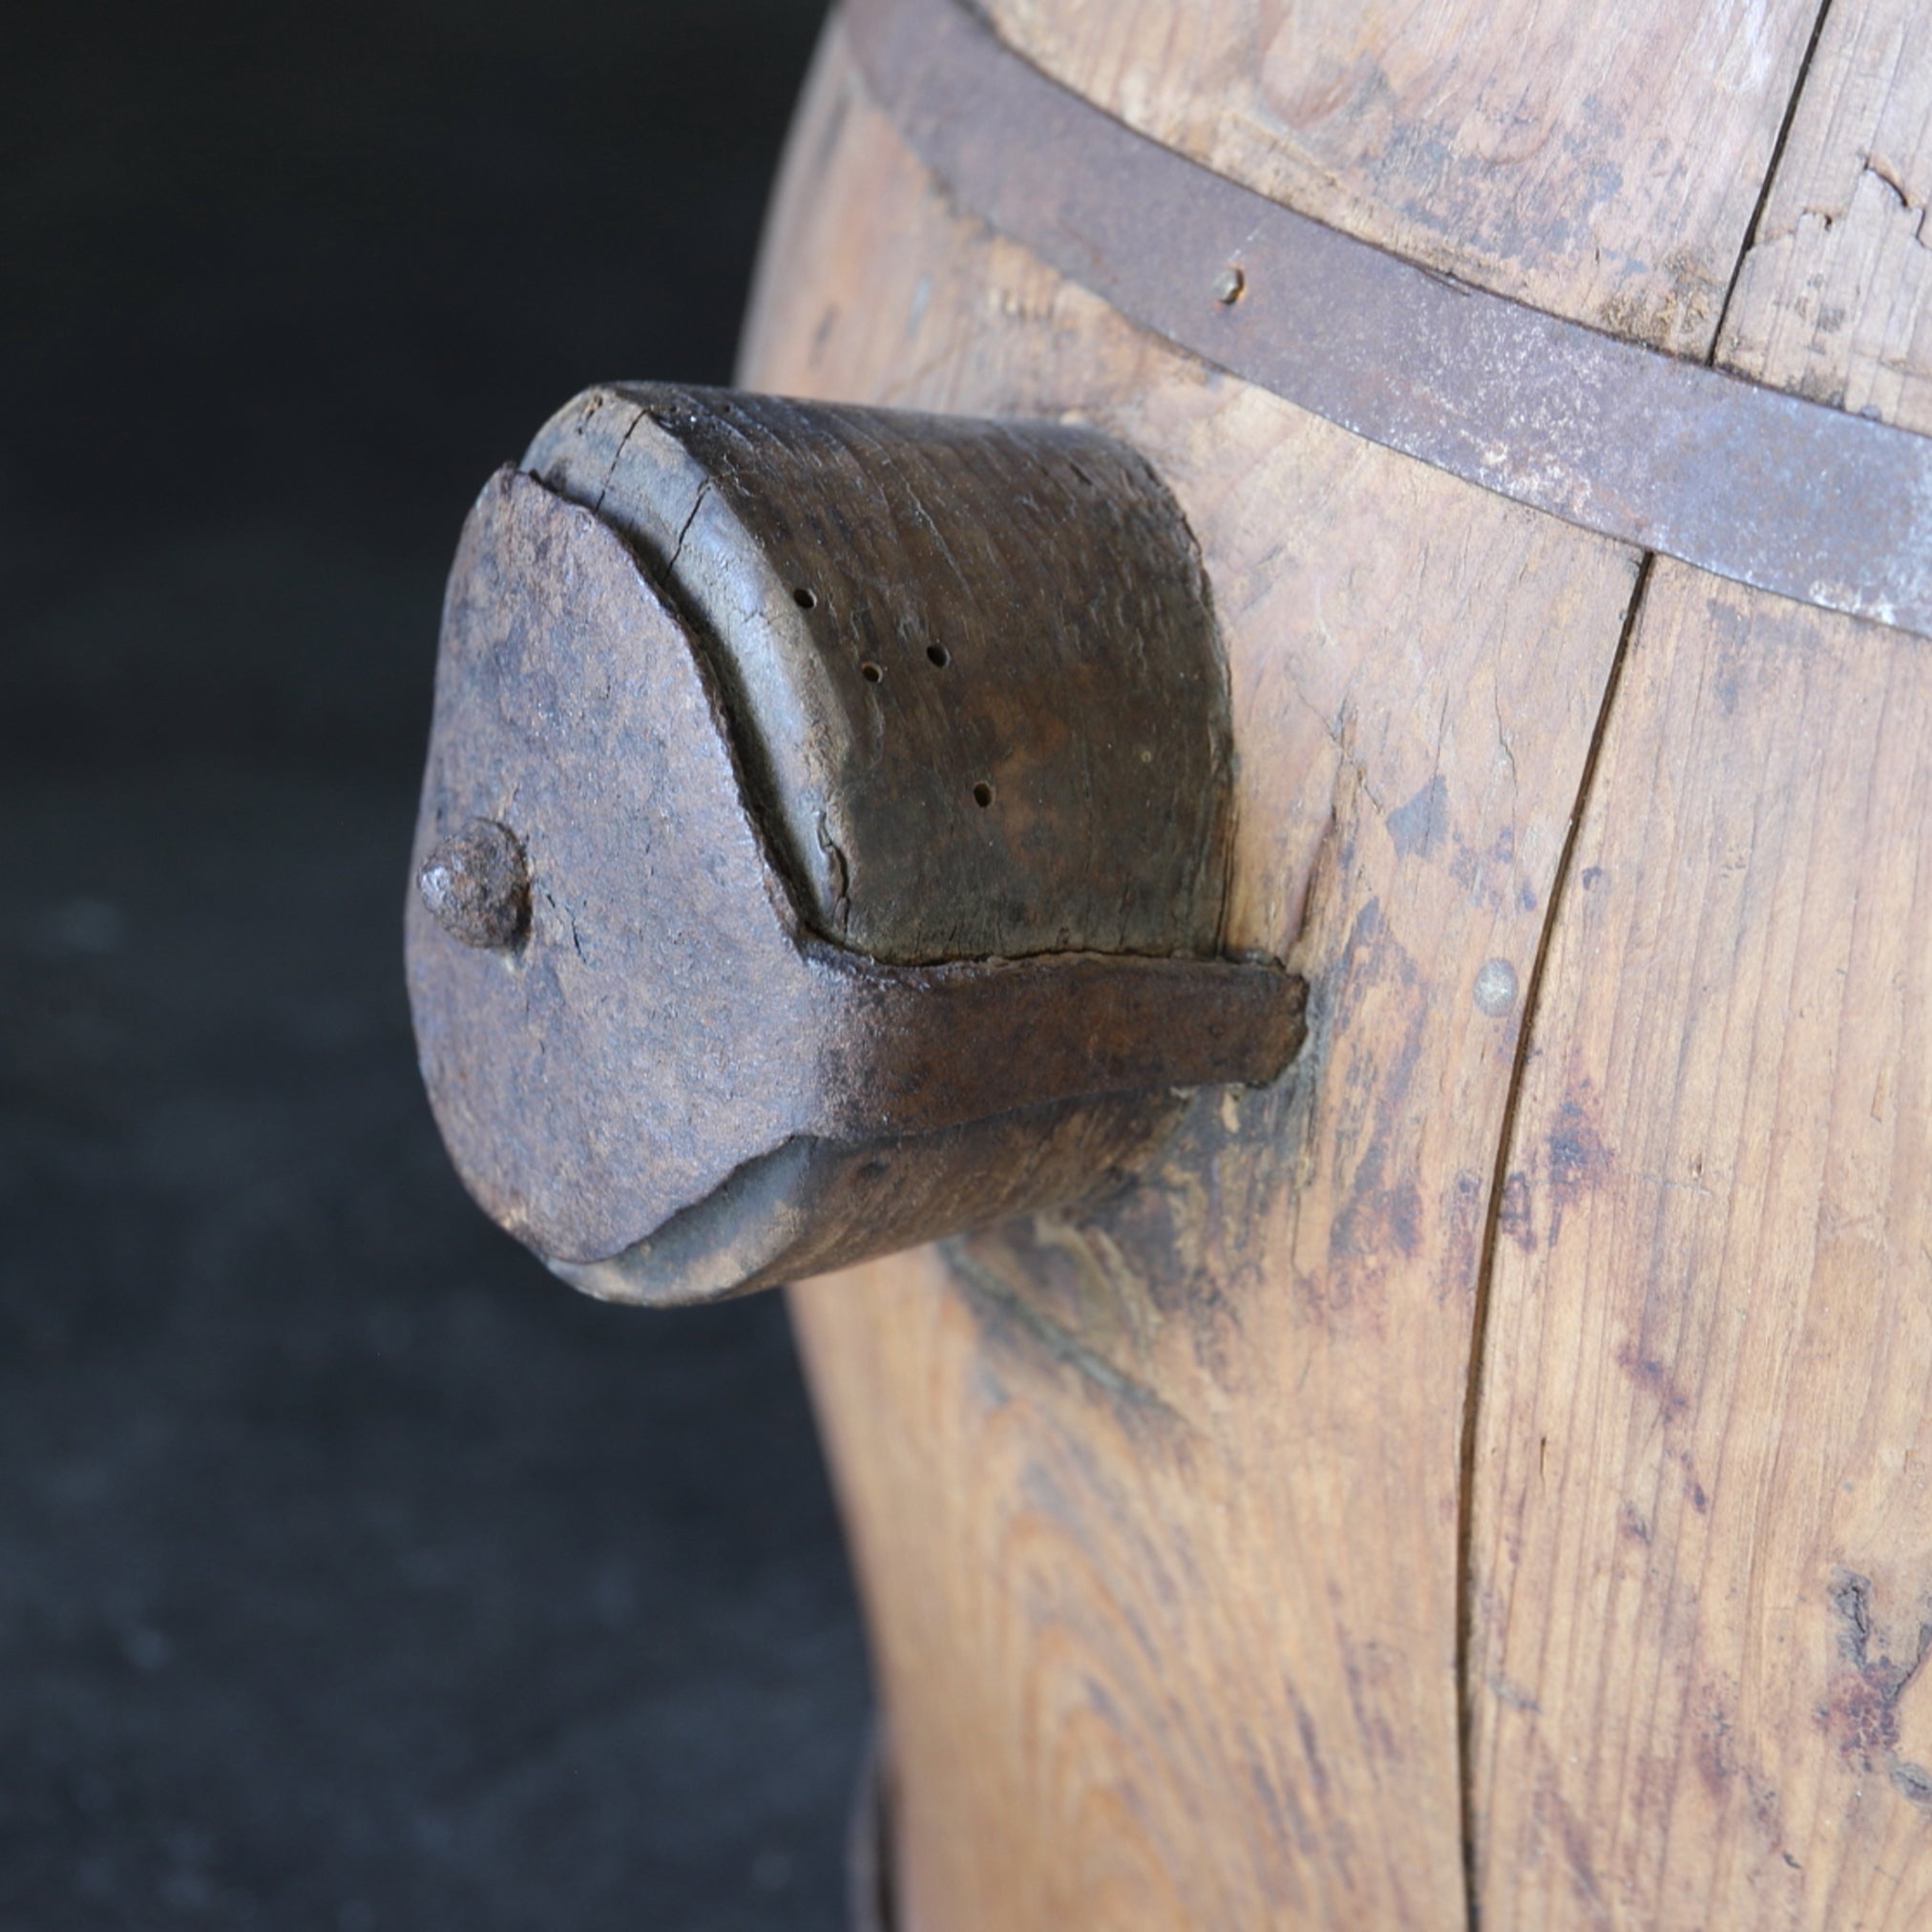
x=649, y=1067
x=970, y=666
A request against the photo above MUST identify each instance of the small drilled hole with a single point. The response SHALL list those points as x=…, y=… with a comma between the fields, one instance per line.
x=871, y=673
x=804, y=598
x=939, y=654
x=982, y=795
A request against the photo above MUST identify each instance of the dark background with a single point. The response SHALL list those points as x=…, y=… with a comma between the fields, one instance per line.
x=353, y=1573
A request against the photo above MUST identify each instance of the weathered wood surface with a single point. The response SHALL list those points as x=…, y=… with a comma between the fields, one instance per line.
x=1703, y=1542
x=1600, y=162
x=977, y=661
x=972, y=666
x=1159, y=1512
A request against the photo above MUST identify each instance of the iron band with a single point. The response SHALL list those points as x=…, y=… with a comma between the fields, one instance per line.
x=1739, y=479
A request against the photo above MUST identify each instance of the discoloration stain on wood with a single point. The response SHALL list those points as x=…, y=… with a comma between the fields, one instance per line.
x=1008, y=1317
x=1649, y=1373
x=1577, y=1160
x=1552, y=1812
x=1730, y=1777
x=1861, y=1713
x=1168, y=1245
x=1419, y=825
x=1513, y=1696
x=1517, y=1216
x=1379, y=1214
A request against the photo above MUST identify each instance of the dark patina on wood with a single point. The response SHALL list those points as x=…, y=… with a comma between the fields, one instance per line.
x=823, y=844
x=966, y=658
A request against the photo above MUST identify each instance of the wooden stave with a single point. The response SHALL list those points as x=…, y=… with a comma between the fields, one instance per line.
x=1295, y=1749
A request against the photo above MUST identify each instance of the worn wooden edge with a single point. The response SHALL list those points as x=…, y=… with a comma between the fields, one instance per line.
x=915, y=1048
x=827, y=557
x=545, y=1059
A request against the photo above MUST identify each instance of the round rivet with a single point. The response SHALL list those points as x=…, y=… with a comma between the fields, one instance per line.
x=476, y=884
x=1495, y=989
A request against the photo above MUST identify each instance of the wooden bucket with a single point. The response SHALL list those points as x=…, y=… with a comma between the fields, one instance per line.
x=1485, y=1478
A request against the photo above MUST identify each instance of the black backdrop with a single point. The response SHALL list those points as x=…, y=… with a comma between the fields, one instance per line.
x=353, y=1574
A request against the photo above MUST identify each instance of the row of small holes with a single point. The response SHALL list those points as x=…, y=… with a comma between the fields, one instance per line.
x=936, y=655
x=872, y=673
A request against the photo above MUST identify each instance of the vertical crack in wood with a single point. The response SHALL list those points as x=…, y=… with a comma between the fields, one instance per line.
x=1770, y=172
x=1472, y=1403
x=1472, y=1399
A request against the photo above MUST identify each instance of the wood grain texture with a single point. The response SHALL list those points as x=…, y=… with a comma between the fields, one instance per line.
x=910, y=614
x=1600, y=162
x=1703, y=1540
x=1831, y=301
x=1156, y=1510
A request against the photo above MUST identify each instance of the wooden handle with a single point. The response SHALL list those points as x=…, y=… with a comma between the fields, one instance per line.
x=823, y=841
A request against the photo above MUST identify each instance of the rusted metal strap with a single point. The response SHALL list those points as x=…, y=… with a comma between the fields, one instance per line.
x=1738, y=479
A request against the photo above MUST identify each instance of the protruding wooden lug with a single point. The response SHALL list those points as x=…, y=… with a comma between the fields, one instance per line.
x=867, y=777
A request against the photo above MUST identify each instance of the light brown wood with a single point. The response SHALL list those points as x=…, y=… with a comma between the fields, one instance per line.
x=1600, y=162
x=1156, y=1512
x=1704, y=1534
x=1832, y=300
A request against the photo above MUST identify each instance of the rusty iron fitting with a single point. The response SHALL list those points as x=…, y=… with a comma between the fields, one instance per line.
x=825, y=837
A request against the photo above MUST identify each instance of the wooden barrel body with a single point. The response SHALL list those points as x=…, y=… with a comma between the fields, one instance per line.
x=1484, y=1479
